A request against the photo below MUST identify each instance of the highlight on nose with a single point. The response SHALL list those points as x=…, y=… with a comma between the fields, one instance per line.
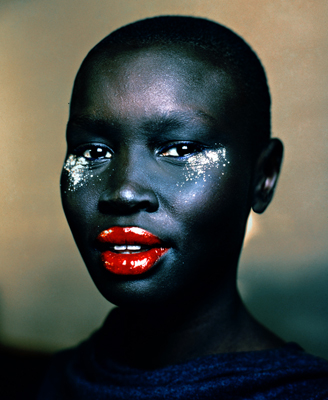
x=128, y=199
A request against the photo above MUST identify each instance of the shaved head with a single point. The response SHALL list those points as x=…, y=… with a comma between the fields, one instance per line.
x=211, y=43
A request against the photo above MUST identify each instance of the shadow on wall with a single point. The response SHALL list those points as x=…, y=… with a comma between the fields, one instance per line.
x=293, y=303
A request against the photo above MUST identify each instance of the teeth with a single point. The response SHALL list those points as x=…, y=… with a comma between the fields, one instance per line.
x=128, y=248
x=119, y=248
x=133, y=248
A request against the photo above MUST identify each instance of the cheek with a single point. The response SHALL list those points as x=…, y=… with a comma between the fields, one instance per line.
x=79, y=190
x=212, y=195
x=78, y=178
x=202, y=177
x=203, y=166
x=77, y=172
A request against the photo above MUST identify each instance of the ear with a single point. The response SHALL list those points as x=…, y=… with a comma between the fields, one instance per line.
x=266, y=175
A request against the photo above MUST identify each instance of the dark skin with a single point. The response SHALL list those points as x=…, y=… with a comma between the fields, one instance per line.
x=150, y=113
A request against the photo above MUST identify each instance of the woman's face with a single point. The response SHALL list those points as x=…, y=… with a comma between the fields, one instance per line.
x=155, y=143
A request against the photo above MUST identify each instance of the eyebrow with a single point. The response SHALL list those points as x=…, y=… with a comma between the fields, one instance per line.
x=89, y=122
x=159, y=124
x=170, y=121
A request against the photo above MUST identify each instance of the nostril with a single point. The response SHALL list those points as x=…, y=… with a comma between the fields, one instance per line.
x=128, y=199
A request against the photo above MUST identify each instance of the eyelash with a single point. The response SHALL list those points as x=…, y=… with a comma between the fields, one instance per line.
x=178, y=150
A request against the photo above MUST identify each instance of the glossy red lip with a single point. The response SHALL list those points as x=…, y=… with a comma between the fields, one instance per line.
x=137, y=262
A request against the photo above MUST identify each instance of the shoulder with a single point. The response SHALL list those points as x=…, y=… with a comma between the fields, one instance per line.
x=285, y=373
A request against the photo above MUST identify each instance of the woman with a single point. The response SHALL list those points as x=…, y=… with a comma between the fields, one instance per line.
x=168, y=150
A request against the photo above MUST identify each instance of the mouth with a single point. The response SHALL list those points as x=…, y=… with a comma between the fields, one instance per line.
x=130, y=250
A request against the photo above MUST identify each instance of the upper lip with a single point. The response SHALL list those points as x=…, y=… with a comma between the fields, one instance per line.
x=130, y=235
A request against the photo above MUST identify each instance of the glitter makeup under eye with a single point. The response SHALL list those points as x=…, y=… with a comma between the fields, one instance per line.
x=199, y=165
x=77, y=168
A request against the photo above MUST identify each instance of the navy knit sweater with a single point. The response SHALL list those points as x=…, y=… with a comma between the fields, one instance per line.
x=285, y=373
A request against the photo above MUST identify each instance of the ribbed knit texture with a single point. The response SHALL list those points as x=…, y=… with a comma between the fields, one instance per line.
x=284, y=373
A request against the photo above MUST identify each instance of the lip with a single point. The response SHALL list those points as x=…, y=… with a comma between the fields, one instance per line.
x=135, y=263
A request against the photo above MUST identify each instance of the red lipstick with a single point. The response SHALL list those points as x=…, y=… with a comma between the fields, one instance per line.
x=132, y=250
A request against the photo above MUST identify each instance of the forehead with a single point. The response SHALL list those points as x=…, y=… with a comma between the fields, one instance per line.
x=143, y=83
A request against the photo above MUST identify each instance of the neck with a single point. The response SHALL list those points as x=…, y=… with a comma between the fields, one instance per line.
x=155, y=338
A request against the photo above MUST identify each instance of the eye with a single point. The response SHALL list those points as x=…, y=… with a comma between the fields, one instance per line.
x=181, y=150
x=93, y=153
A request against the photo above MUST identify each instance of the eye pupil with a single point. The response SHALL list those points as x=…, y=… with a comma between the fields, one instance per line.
x=184, y=149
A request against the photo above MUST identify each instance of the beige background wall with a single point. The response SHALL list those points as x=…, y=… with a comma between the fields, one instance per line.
x=47, y=300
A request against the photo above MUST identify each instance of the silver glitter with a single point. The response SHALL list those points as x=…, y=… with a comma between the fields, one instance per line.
x=77, y=168
x=198, y=165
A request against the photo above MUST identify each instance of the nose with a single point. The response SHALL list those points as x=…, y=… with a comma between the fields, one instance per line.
x=127, y=196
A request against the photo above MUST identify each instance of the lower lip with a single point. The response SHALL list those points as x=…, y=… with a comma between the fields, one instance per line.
x=132, y=264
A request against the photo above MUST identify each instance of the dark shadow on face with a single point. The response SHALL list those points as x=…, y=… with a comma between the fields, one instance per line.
x=156, y=141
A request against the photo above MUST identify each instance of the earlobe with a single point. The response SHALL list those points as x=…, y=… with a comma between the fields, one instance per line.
x=266, y=175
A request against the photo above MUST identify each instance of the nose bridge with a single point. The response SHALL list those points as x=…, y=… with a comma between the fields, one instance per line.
x=129, y=187
x=131, y=168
